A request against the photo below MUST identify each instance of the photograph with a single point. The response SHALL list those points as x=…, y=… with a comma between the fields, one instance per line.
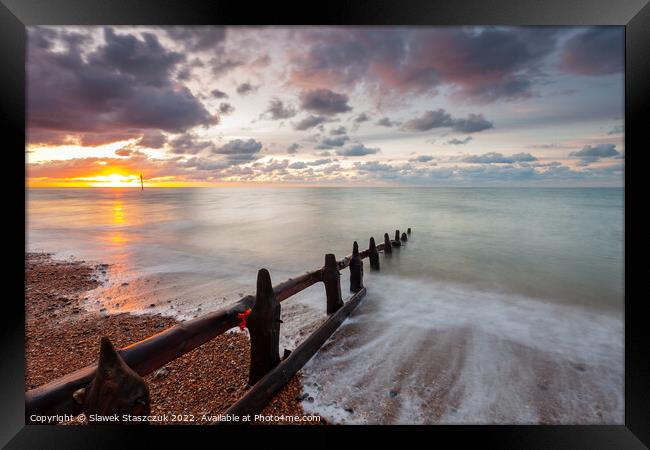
x=324, y=225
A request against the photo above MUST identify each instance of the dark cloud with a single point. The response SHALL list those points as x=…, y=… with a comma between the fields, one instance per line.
x=226, y=108
x=278, y=110
x=246, y=88
x=216, y=93
x=239, y=150
x=293, y=148
x=357, y=150
x=189, y=144
x=331, y=142
x=589, y=154
x=498, y=158
x=595, y=51
x=386, y=122
x=619, y=129
x=309, y=122
x=112, y=90
x=152, y=139
x=484, y=64
x=338, y=131
x=456, y=141
x=363, y=117
x=298, y=165
x=197, y=38
x=324, y=101
x=145, y=59
x=442, y=119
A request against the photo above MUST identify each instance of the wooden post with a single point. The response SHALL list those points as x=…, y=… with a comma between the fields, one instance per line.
x=409, y=231
x=356, y=269
x=263, y=392
x=388, y=248
x=373, y=255
x=396, y=241
x=332, y=281
x=264, y=327
x=404, y=237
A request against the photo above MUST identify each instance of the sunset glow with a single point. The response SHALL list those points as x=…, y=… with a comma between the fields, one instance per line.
x=325, y=106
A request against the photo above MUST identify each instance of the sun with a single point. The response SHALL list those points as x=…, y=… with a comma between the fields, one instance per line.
x=115, y=180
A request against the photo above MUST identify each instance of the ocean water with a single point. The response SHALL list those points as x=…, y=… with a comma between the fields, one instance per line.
x=505, y=306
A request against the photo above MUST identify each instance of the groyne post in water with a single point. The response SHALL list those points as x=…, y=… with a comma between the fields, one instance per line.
x=396, y=241
x=404, y=237
x=332, y=282
x=388, y=248
x=409, y=231
x=356, y=269
x=373, y=254
x=264, y=327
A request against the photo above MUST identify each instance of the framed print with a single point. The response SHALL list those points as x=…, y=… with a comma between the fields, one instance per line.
x=361, y=218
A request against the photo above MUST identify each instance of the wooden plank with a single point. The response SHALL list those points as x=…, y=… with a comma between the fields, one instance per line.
x=264, y=390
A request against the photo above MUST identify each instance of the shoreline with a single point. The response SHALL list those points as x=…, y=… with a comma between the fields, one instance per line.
x=61, y=336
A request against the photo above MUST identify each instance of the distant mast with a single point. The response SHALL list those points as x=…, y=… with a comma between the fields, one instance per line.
x=141, y=183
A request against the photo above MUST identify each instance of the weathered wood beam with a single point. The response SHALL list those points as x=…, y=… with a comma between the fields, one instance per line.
x=265, y=389
x=356, y=269
x=264, y=328
x=373, y=255
x=388, y=248
x=332, y=281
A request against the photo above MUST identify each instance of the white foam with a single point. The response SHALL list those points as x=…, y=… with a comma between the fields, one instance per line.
x=451, y=354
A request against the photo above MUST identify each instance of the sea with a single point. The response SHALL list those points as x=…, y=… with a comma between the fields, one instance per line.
x=505, y=306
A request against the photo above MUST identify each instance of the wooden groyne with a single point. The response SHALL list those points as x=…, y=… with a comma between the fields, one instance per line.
x=260, y=313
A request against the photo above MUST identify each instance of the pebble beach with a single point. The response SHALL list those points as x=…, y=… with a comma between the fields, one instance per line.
x=61, y=337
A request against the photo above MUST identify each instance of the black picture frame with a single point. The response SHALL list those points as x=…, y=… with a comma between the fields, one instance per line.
x=15, y=15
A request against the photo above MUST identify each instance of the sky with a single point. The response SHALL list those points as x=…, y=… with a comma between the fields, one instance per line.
x=325, y=106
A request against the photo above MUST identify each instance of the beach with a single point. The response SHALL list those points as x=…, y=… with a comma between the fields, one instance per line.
x=62, y=336
x=505, y=306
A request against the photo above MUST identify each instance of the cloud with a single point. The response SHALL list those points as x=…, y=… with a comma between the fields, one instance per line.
x=363, y=117
x=189, y=144
x=309, y=122
x=338, y=131
x=124, y=85
x=330, y=142
x=619, y=129
x=226, y=108
x=197, y=38
x=498, y=158
x=239, y=150
x=478, y=64
x=442, y=119
x=152, y=139
x=278, y=110
x=298, y=165
x=422, y=158
x=246, y=88
x=357, y=150
x=456, y=141
x=589, y=154
x=324, y=102
x=319, y=162
x=595, y=51
x=216, y=93
x=386, y=122
x=293, y=148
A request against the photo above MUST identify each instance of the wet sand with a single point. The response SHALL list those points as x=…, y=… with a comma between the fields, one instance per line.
x=61, y=336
